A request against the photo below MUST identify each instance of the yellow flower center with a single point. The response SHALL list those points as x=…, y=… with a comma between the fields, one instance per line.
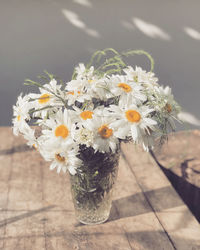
x=105, y=132
x=18, y=118
x=133, y=116
x=127, y=88
x=62, y=131
x=44, y=98
x=86, y=115
x=168, y=107
x=72, y=92
x=59, y=158
x=90, y=81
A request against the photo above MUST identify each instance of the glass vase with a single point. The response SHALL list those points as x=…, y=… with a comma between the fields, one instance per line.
x=92, y=186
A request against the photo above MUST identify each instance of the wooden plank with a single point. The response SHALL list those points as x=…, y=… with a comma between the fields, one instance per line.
x=25, y=243
x=26, y=180
x=56, y=189
x=24, y=230
x=2, y=231
x=63, y=232
x=178, y=222
x=6, y=150
x=180, y=161
x=139, y=232
x=18, y=194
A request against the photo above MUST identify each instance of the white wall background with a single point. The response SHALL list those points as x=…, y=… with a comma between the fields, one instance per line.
x=58, y=34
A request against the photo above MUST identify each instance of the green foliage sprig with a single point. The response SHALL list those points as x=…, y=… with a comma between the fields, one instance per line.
x=109, y=61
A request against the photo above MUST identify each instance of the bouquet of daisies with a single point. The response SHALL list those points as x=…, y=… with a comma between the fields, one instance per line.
x=102, y=106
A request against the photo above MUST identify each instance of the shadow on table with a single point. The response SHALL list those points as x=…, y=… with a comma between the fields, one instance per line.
x=146, y=239
x=24, y=215
x=17, y=149
x=157, y=240
x=139, y=203
x=189, y=193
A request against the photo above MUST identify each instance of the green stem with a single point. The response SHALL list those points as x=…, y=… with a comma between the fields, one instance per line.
x=98, y=53
x=140, y=52
x=36, y=110
x=115, y=63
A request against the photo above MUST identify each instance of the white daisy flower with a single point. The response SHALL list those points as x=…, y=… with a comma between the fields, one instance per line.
x=21, y=114
x=164, y=102
x=72, y=95
x=46, y=98
x=63, y=158
x=141, y=76
x=29, y=135
x=75, y=85
x=19, y=125
x=86, y=89
x=54, y=87
x=83, y=136
x=148, y=139
x=123, y=87
x=132, y=120
x=60, y=128
x=101, y=89
x=82, y=73
x=81, y=115
x=166, y=98
x=104, y=138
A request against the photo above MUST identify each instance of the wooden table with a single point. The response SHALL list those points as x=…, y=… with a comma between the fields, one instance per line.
x=180, y=161
x=36, y=210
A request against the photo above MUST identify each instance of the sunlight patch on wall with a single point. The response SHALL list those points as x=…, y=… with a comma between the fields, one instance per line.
x=85, y=3
x=75, y=20
x=127, y=25
x=189, y=118
x=192, y=33
x=151, y=30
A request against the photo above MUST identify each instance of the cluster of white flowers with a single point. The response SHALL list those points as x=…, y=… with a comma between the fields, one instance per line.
x=98, y=111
